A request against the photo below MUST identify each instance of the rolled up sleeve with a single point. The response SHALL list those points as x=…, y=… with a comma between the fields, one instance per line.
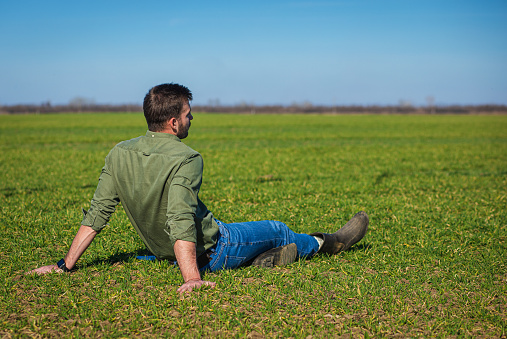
x=183, y=200
x=103, y=203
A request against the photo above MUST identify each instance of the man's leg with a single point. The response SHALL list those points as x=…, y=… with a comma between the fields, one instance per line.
x=239, y=243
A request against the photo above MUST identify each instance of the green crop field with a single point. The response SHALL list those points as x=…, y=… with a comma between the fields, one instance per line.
x=433, y=263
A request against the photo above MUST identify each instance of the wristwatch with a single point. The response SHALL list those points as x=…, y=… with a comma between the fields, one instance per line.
x=61, y=265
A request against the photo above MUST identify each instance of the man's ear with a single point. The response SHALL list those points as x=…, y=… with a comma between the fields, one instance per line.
x=171, y=123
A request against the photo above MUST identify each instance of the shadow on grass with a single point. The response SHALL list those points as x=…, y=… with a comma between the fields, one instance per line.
x=118, y=258
x=124, y=257
x=356, y=248
x=360, y=247
x=13, y=191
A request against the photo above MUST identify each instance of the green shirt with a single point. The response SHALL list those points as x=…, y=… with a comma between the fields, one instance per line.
x=157, y=178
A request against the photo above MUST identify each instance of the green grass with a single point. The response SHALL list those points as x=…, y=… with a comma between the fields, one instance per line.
x=433, y=263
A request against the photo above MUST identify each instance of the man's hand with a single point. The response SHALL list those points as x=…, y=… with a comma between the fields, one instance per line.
x=81, y=241
x=194, y=284
x=45, y=270
x=186, y=257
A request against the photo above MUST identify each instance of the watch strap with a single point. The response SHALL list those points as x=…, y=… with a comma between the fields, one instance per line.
x=61, y=265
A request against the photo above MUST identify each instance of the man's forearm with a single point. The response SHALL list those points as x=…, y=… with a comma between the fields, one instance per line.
x=82, y=240
x=187, y=260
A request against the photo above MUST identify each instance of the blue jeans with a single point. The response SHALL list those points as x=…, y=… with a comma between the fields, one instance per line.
x=239, y=243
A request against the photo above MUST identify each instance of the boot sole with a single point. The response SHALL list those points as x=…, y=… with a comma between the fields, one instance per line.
x=278, y=256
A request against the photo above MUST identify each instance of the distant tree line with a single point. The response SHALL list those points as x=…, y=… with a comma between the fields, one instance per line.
x=354, y=109
x=77, y=106
x=46, y=108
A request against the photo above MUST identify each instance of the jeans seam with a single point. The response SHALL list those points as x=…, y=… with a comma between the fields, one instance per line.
x=253, y=242
x=218, y=254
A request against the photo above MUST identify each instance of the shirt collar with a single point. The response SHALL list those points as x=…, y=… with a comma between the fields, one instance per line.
x=151, y=134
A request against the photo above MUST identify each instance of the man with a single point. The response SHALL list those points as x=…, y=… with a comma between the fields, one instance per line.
x=157, y=178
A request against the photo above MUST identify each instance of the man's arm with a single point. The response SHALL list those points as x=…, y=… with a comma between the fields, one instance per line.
x=181, y=209
x=187, y=261
x=82, y=240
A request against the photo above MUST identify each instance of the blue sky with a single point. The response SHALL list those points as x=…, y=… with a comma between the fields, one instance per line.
x=371, y=52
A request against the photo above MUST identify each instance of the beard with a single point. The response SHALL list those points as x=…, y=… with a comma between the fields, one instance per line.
x=182, y=130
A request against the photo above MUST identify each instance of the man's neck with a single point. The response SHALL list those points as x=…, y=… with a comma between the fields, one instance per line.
x=165, y=130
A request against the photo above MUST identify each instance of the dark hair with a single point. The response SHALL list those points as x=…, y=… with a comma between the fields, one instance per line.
x=164, y=102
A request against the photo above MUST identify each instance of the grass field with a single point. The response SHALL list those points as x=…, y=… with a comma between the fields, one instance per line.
x=433, y=263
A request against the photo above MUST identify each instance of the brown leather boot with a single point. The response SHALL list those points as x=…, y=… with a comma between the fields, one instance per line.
x=278, y=256
x=345, y=237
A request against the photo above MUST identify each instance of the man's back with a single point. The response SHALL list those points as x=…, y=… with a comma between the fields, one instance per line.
x=157, y=178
